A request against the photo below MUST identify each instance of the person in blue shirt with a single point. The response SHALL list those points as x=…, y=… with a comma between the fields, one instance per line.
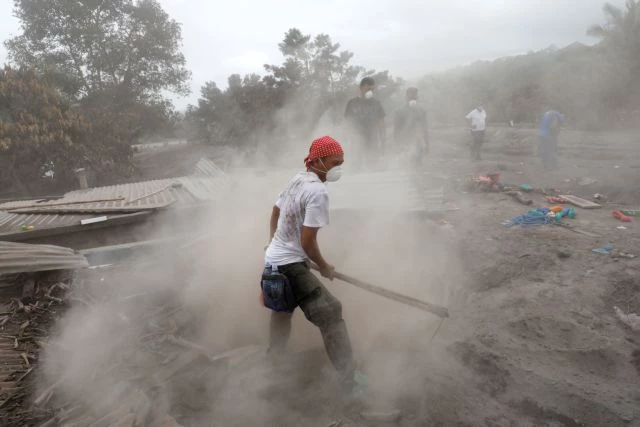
x=549, y=131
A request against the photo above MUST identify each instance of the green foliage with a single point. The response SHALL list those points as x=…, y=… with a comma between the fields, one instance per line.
x=620, y=38
x=94, y=45
x=37, y=127
x=112, y=59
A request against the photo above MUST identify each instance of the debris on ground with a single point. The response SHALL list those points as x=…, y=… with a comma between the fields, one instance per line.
x=600, y=197
x=556, y=200
x=631, y=212
x=621, y=217
x=580, y=202
x=632, y=320
x=606, y=249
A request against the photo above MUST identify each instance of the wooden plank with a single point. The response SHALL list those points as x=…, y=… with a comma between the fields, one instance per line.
x=580, y=202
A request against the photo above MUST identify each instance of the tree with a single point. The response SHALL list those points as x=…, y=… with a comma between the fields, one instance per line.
x=36, y=128
x=91, y=46
x=316, y=76
x=620, y=37
x=113, y=59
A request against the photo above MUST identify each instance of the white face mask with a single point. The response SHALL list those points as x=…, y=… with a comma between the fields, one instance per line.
x=334, y=174
x=413, y=102
x=368, y=94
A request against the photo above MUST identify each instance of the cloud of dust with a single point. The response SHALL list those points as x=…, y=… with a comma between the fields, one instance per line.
x=115, y=345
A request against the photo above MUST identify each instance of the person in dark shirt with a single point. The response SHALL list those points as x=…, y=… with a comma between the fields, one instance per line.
x=365, y=118
x=410, y=127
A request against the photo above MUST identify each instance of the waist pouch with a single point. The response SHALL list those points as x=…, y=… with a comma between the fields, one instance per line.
x=276, y=290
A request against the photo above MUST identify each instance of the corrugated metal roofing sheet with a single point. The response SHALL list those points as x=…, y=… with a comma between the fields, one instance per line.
x=133, y=197
x=39, y=225
x=12, y=222
x=206, y=167
x=22, y=257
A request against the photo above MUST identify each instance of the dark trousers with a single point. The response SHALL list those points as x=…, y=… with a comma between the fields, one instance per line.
x=320, y=308
x=477, y=139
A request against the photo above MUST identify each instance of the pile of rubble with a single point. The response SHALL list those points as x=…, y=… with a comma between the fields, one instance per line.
x=149, y=373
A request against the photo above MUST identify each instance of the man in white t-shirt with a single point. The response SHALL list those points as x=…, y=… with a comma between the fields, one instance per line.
x=477, y=119
x=299, y=213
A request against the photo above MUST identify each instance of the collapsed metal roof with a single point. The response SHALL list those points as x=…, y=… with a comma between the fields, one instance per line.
x=133, y=197
x=23, y=258
x=111, y=205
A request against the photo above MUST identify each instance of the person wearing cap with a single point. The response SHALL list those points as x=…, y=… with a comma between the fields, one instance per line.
x=410, y=127
x=301, y=210
x=365, y=119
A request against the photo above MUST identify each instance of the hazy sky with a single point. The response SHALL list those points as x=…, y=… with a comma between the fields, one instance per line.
x=407, y=37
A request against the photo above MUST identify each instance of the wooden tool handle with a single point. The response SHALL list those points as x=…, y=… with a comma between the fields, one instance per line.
x=413, y=302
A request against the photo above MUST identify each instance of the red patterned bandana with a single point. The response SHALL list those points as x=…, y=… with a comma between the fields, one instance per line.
x=323, y=147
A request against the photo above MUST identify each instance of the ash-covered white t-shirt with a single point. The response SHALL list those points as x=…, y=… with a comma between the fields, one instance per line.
x=478, y=119
x=304, y=202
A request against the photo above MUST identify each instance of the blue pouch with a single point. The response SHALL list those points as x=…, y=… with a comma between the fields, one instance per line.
x=276, y=290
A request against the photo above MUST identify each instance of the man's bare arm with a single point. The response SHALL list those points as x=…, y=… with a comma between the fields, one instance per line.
x=273, y=224
x=309, y=242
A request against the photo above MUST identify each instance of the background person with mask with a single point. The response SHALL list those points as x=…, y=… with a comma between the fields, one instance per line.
x=299, y=213
x=365, y=119
x=410, y=127
x=477, y=119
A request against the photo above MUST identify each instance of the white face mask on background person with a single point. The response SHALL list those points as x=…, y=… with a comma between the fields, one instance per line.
x=368, y=94
x=413, y=102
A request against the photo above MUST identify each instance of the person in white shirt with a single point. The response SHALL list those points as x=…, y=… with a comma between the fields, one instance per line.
x=299, y=213
x=477, y=119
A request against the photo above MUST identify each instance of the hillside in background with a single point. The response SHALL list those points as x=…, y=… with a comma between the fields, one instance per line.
x=577, y=80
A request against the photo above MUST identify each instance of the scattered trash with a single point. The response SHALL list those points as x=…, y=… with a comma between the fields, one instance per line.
x=539, y=216
x=624, y=255
x=631, y=212
x=604, y=250
x=526, y=187
x=557, y=200
x=566, y=213
x=519, y=197
x=587, y=181
x=600, y=197
x=580, y=202
x=616, y=166
x=632, y=320
x=27, y=228
x=622, y=217
x=621, y=227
